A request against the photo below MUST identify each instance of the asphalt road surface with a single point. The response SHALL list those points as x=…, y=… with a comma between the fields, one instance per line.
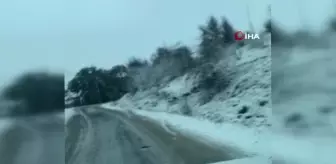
x=99, y=136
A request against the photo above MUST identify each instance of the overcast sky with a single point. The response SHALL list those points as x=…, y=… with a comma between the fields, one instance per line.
x=68, y=35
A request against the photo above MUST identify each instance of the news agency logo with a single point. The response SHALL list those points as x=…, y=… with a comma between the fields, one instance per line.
x=239, y=35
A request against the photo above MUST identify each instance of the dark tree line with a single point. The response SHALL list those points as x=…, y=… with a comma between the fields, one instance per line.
x=93, y=85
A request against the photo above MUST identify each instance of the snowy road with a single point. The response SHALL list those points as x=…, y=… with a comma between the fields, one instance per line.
x=102, y=136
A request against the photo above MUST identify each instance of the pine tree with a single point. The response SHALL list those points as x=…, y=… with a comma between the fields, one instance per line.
x=227, y=32
x=210, y=39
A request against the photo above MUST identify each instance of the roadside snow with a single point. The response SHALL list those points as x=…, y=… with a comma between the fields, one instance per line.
x=247, y=140
x=68, y=113
x=252, y=160
x=251, y=141
x=4, y=124
x=179, y=86
x=299, y=150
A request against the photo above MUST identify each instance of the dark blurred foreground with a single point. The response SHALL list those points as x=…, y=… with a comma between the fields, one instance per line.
x=34, y=93
x=32, y=122
x=32, y=140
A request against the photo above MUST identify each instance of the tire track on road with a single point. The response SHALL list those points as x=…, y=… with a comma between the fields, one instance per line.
x=180, y=148
x=76, y=130
x=121, y=138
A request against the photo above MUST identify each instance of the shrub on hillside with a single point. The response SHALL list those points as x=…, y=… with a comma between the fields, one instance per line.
x=136, y=63
x=211, y=81
x=169, y=63
x=186, y=109
x=139, y=71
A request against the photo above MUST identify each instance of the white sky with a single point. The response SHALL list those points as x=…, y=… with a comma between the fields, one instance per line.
x=68, y=35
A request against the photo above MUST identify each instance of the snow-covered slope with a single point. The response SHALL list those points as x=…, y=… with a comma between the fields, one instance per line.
x=252, y=160
x=302, y=111
x=246, y=101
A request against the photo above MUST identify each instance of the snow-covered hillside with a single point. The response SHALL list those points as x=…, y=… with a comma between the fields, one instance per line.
x=246, y=101
x=308, y=84
x=303, y=120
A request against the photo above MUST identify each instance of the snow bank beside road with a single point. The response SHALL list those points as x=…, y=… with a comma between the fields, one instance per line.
x=253, y=160
x=4, y=124
x=68, y=113
x=241, y=139
x=298, y=150
x=247, y=140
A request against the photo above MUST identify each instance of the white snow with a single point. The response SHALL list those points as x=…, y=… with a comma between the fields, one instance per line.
x=250, y=160
x=243, y=138
x=251, y=84
x=4, y=124
x=250, y=141
x=179, y=86
x=68, y=113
